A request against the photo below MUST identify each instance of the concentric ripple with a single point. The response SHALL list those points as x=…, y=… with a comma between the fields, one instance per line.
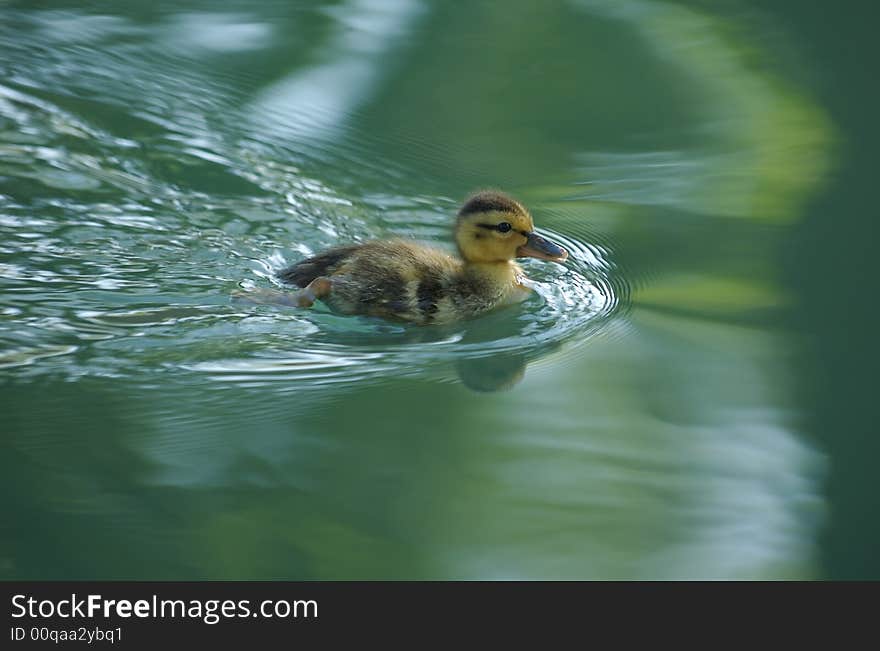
x=570, y=302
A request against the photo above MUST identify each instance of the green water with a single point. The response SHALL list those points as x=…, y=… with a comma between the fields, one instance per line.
x=688, y=397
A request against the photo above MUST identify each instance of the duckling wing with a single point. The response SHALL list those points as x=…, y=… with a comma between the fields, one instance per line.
x=394, y=279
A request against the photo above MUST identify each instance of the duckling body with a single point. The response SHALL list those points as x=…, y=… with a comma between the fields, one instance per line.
x=400, y=279
x=403, y=280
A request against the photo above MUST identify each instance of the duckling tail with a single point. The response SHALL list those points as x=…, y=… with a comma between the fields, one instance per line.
x=305, y=271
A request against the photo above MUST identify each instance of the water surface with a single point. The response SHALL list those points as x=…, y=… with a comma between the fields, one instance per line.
x=640, y=416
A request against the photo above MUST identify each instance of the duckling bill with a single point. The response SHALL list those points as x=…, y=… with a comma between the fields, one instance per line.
x=403, y=280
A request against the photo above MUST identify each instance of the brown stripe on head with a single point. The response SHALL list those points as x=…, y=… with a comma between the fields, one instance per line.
x=486, y=201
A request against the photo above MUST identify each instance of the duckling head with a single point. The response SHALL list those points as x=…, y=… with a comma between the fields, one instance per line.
x=492, y=227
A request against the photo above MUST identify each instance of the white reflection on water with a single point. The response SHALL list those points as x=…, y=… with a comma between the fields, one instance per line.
x=218, y=32
x=309, y=103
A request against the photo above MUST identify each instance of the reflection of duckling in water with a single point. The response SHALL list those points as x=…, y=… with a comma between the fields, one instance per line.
x=402, y=280
x=497, y=372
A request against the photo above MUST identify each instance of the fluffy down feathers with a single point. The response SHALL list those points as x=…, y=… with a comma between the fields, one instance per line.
x=403, y=280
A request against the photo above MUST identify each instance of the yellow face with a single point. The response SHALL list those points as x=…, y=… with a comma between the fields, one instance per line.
x=492, y=236
x=492, y=227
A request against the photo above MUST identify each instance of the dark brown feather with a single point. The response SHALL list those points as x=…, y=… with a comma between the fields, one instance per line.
x=490, y=201
x=323, y=264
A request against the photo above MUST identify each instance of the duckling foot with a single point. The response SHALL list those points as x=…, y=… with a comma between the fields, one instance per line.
x=316, y=289
x=305, y=297
x=259, y=296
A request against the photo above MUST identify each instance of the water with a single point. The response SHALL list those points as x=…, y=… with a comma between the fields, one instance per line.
x=650, y=412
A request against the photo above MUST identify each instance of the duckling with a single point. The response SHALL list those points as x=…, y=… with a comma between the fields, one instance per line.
x=402, y=280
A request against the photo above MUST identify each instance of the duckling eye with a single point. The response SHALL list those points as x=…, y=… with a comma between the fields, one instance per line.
x=504, y=227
